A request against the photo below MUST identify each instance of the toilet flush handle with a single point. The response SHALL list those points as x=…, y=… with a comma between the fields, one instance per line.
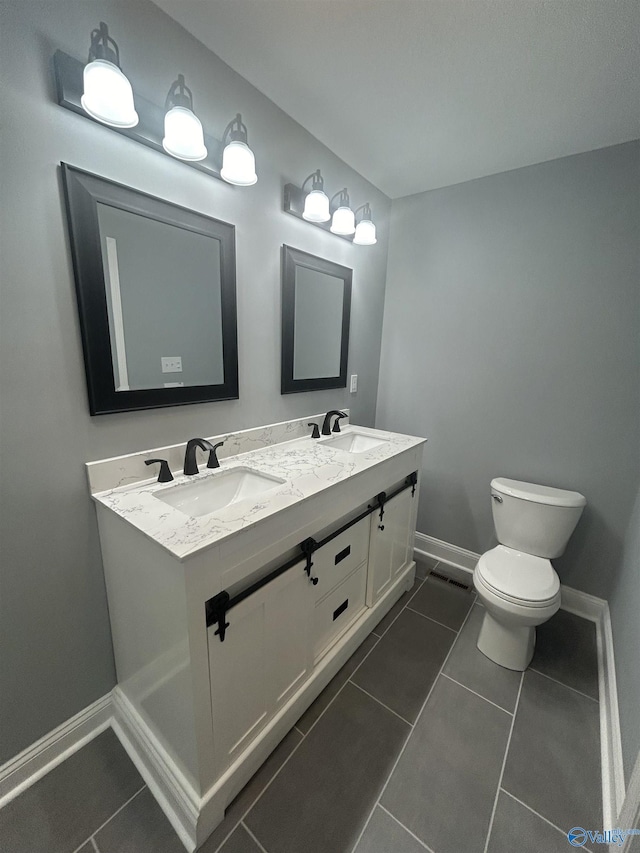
x=497, y=498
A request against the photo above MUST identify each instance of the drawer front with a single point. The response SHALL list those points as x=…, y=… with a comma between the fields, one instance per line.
x=338, y=610
x=337, y=559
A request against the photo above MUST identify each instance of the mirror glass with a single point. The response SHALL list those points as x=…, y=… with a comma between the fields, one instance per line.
x=164, y=302
x=316, y=304
x=156, y=295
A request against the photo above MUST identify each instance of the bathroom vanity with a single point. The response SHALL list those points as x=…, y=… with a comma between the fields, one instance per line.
x=236, y=594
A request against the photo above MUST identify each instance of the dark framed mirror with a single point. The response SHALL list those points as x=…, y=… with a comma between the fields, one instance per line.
x=316, y=309
x=156, y=290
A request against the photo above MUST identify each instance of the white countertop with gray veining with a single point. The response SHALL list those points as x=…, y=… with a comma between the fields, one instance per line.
x=307, y=466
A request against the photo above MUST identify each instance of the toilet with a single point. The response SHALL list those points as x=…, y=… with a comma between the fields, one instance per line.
x=515, y=581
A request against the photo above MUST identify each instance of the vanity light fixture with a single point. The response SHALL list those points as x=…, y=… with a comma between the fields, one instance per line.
x=183, y=134
x=107, y=96
x=365, y=229
x=238, y=161
x=316, y=203
x=343, y=221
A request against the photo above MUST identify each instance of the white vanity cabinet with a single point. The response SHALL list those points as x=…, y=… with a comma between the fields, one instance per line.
x=296, y=580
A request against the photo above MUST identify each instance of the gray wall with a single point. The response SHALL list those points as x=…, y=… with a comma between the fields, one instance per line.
x=511, y=341
x=625, y=621
x=55, y=647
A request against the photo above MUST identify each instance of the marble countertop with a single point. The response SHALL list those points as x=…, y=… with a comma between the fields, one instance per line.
x=306, y=466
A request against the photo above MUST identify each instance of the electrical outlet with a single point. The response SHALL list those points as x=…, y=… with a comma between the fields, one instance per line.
x=353, y=387
x=171, y=363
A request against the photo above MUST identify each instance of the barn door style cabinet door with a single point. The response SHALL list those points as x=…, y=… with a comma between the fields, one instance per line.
x=390, y=544
x=265, y=658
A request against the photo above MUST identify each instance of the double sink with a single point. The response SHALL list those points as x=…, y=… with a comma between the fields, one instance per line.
x=226, y=487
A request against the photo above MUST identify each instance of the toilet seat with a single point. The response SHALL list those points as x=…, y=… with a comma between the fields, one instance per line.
x=519, y=578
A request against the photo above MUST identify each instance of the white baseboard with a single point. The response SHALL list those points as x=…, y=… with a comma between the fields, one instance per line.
x=20, y=772
x=459, y=564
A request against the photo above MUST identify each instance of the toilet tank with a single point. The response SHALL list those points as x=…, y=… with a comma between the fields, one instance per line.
x=535, y=519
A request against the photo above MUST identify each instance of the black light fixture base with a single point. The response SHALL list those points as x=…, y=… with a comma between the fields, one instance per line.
x=150, y=128
x=294, y=204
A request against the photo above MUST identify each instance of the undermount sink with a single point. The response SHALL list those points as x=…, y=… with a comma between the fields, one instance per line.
x=354, y=442
x=216, y=491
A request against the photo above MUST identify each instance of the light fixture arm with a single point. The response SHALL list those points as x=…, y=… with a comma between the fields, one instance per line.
x=366, y=212
x=236, y=130
x=318, y=181
x=101, y=46
x=343, y=200
x=179, y=95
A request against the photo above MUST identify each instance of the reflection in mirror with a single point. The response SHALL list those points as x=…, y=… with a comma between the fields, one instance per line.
x=316, y=304
x=156, y=295
x=165, y=325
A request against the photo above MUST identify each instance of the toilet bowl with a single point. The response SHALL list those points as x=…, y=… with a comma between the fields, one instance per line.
x=516, y=581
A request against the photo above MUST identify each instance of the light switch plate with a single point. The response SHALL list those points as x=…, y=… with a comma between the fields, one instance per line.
x=353, y=387
x=171, y=363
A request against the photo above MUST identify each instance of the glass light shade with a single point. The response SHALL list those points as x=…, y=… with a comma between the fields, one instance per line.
x=365, y=233
x=316, y=207
x=108, y=96
x=183, y=135
x=343, y=222
x=238, y=164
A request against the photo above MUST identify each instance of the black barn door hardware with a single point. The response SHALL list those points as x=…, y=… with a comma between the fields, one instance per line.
x=216, y=608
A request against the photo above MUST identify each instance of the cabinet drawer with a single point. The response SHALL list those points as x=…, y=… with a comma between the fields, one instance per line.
x=338, y=610
x=337, y=559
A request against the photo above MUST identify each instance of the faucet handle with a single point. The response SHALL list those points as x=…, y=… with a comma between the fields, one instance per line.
x=213, y=456
x=336, y=425
x=315, y=432
x=165, y=475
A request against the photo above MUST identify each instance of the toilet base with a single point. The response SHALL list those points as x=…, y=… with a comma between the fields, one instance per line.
x=510, y=646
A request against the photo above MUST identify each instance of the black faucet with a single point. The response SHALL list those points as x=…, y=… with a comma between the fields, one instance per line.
x=315, y=432
x=326, y=426
x=190, y=464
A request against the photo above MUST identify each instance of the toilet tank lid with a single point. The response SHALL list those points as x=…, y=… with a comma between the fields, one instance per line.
x=537, y=494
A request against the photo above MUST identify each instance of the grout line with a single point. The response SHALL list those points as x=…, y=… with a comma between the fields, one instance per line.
x=442, y=625
x=95, y=844
x=371, y=696
x=562, y=684
x=299, y=730
x=537, y=814
x=102, y=825
x=479, y=695
x=404, y=745
x=412, y=834
x=504, y=763
x=247, y=830
x=292, y=753
x=414, y=590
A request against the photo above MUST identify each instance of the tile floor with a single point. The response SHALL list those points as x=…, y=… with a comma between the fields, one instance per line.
x=419, y=743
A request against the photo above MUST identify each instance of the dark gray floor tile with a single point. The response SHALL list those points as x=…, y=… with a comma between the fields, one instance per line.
x=553, y=763
x=403, y=666
x=67, y=805
x=443, y=602
x=424, y=565
x=239, y=842
x=385, y=835
x=444, y=786
x=395, y=611
x=251, y=791
x=517, y=828
x=139, y=827
x=335, y=685
x=322, y=798
x=470, y=667
x=566, y=650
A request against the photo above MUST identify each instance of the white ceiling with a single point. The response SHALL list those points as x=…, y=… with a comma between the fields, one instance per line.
x=419, y=94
